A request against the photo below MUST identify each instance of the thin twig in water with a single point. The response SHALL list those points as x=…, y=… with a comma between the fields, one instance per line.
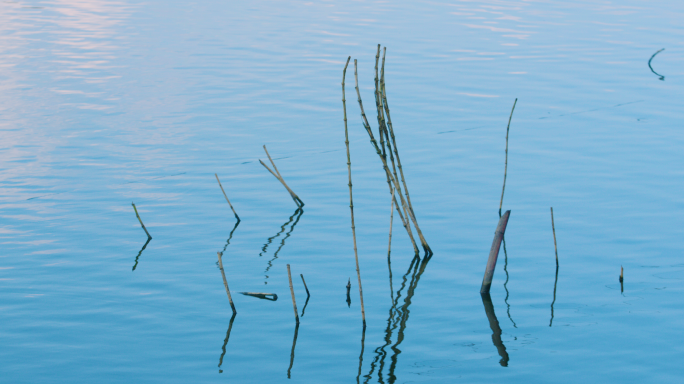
x=660, y=77
x=277, y=175
x=508, y=127
x=305, y=287
x=226, y=196
x=351, y=200
x=141, y=223
x=225, y=282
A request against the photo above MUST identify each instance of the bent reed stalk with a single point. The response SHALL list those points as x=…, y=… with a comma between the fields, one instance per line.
x=351, y=200
x=141, y=223
x=226, y=196
x=278, y=176
x=508, y=127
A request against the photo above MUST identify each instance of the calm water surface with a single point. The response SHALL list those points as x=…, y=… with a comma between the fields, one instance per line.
x=104, y=103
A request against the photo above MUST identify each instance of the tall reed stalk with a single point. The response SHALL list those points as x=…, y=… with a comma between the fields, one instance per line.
x=351, y=200
x=506, y=166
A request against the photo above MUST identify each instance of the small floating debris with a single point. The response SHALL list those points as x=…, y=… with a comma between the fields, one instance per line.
x=261, y=295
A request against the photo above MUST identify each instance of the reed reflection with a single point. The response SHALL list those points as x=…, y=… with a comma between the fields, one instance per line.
x=292, y=354
x=506, y=283
x=397, y=321
x=140, y=253
x=225, y=342
x=229, y=238
x=554, y=295
x=295, y=217
x=496, y=330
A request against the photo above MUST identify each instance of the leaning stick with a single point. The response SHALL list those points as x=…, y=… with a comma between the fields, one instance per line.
x=412, y=215
x=494, y=253
x=305, y=287
x=277, y=175
x=294, y=303
x=225, y=282
x=351, y=200
x=506, y=166
x=554, y=237
x=141, y=223
x=379, y=152
x=226, y=196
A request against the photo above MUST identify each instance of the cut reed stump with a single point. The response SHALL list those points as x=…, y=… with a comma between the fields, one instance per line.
x=226, y=196
x=277, y=175
x=141, y=223
x=294, y=303
x=225, y=282
x=494, y=253
x=351, y=200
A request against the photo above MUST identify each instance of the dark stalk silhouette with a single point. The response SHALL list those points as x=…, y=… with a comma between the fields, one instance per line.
x=298, y=214
x=508, y=311
x=660, y=77
x=292, y=354
x=496, y=329
x=225, y=342
x=555, y=246
x=140, y=253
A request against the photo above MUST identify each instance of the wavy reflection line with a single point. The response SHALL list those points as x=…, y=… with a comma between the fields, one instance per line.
x=140, y=253
x=398, y=318
x=506, y=282
x=496, y=329
x=380, y=352
x=229, y=238
x=225, y=342
x=292, y=354
x=554, y=295
x=298, y=212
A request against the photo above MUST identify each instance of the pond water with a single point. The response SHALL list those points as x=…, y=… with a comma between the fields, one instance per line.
x=104, y=103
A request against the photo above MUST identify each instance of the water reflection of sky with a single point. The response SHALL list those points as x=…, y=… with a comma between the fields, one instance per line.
x=107, y=103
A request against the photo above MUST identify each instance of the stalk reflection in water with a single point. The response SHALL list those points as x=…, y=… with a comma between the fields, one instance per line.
x=229, y=238
x=225, y=342
x=298, y=213
x=506, y=282
x=292, y=354
x=496, y=330
x=140, y=253
x=398, y=318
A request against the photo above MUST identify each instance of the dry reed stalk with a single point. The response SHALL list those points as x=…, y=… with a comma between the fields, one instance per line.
x=294, y=303
x=494, y=253
x=226, y=196
x=391, y=178
x=141, y=223
x=506, y=166
x=555, y=246
x=351, y=200
x=225, y=282
x=412, y=215
x=305, y=287
x=278, y=176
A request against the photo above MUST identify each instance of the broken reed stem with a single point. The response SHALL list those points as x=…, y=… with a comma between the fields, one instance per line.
x=277, y=175
x=141, y=223
x=305, y=287
x=621, y=276
x=225, y=282
x=554, y=236
x=426, y=247
x=294, y=303
x=494, y=253
x=506, y=166
x=391, y=179
x=351, y=200
x=226, y=196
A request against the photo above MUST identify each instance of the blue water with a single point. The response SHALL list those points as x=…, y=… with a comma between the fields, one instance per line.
x=104, y=103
